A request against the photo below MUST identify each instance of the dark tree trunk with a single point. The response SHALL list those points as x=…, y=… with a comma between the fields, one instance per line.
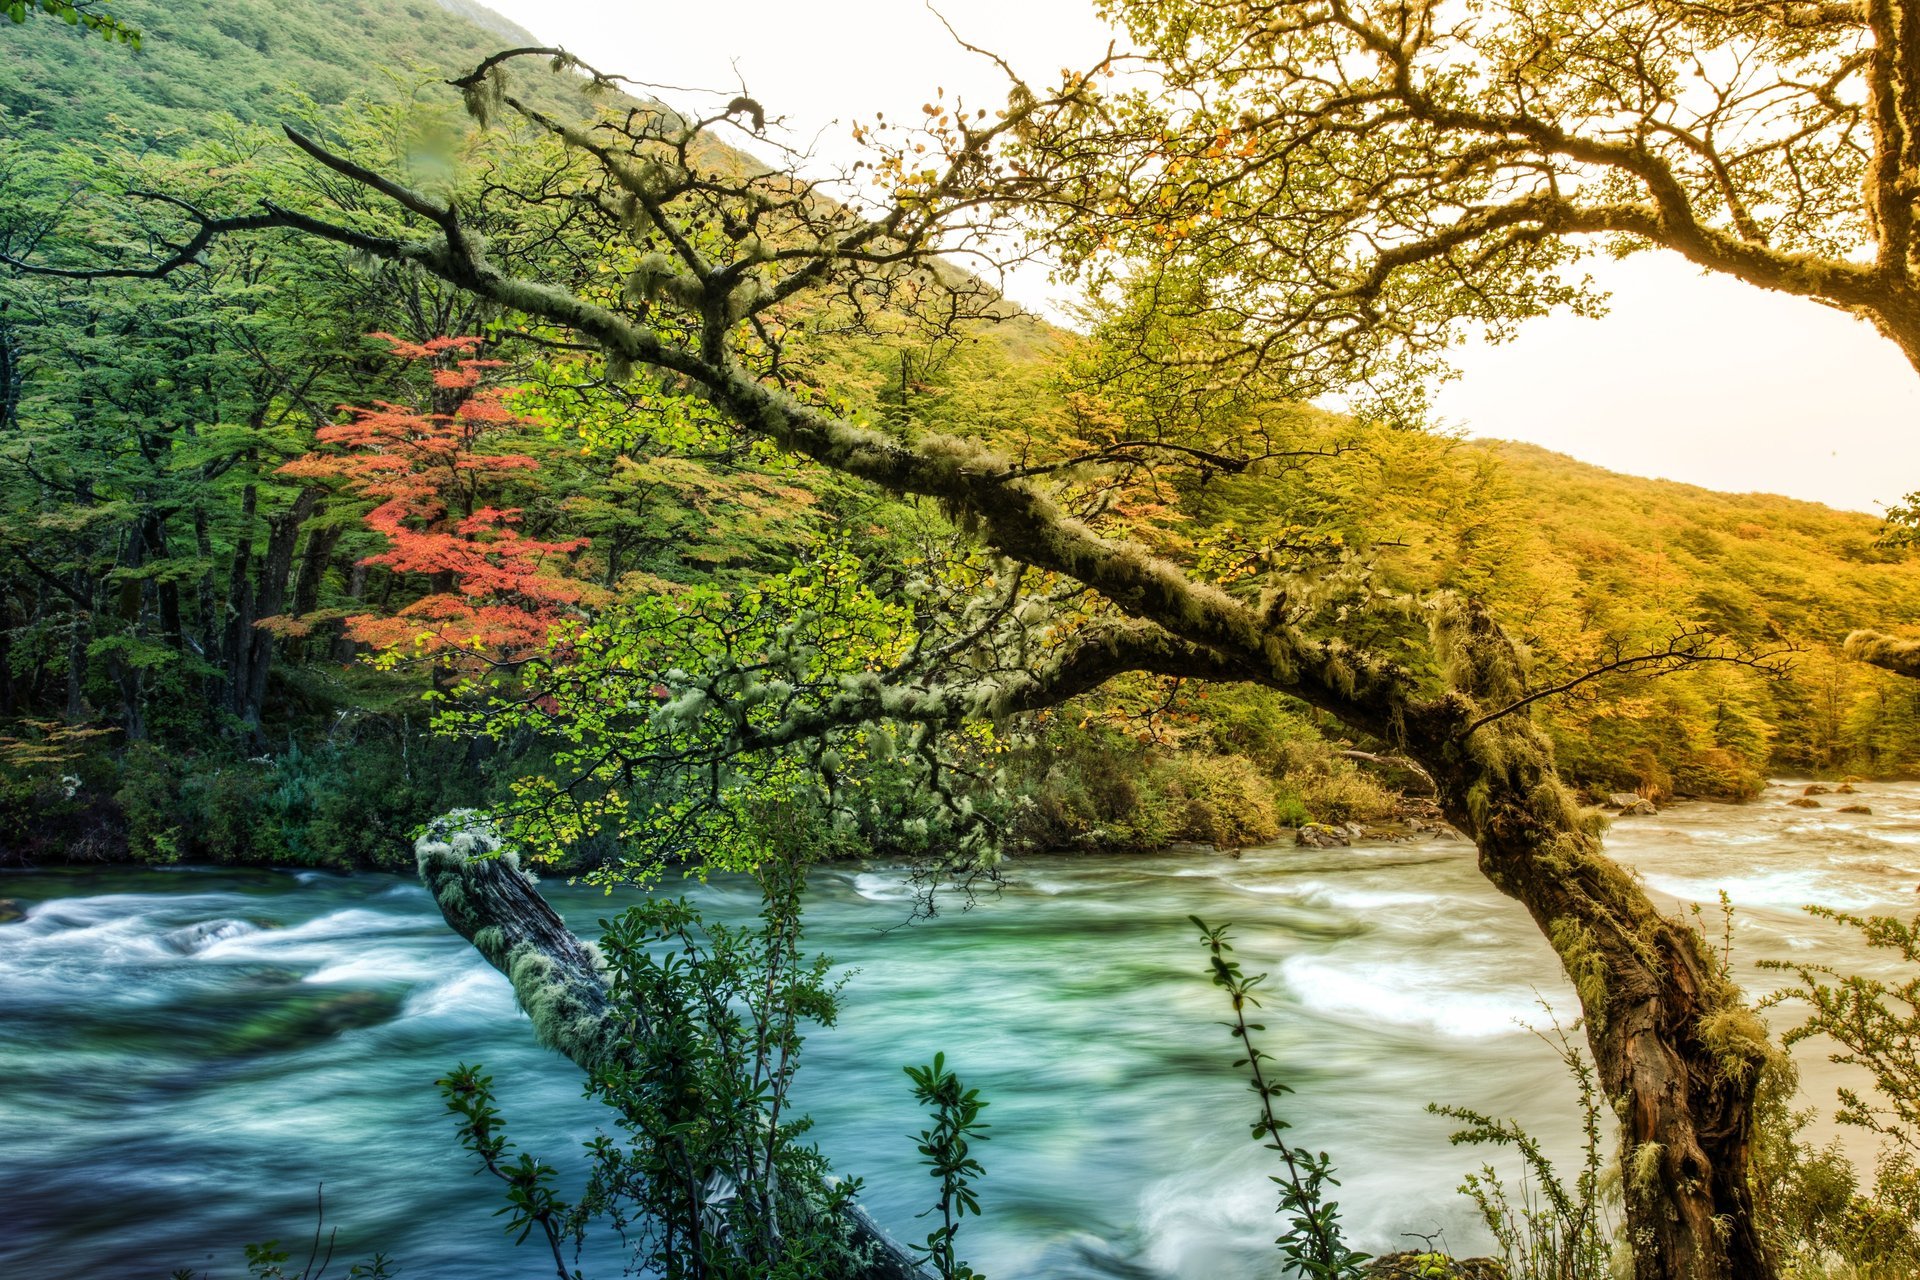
x=276, y=567
x=208, y=599
x=236, y=637
x=343, y=646
x=306, y=583
x=154, y=531
x=78, y=631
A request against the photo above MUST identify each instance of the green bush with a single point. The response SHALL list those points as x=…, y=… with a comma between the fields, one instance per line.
x=149, y=801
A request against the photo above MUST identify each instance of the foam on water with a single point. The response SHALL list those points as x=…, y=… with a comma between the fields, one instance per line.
x=1409, y=994
x=1785, y=889
x=477, y=993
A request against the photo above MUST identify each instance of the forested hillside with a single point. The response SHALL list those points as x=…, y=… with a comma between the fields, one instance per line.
x=233, y=609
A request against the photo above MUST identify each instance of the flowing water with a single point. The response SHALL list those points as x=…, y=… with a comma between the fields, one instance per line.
x=187, y=1055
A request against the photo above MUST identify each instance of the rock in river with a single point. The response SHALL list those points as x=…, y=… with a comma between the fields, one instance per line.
x=1628, y=803
x=1318, y=835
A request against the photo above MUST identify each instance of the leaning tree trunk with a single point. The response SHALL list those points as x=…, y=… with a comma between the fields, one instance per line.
x=1678, y=1049
x=557, y=980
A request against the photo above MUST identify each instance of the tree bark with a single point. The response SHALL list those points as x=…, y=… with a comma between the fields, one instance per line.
x=1678, y=1050
x=493, y=904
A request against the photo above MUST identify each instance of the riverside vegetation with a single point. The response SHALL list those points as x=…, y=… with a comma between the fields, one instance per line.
x=675, y=488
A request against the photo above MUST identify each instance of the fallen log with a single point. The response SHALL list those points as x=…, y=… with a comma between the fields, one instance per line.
x=494, y=904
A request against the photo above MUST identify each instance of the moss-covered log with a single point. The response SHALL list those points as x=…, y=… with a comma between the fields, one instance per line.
x=1889, y=653
x=493, y=903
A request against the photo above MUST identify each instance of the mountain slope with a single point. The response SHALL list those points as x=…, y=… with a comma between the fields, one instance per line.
x=246, y=58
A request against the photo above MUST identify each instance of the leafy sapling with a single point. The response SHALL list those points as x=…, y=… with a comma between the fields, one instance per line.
x=946, y=1150
x=1546, y=1227
x=531, y=1200
x=1312, y=1243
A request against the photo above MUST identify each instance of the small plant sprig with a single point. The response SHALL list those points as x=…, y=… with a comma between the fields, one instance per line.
x=1547, y=1227
x=947, y=1152
x=1312, y=1244
x=268, y=1261
x=531, y=1200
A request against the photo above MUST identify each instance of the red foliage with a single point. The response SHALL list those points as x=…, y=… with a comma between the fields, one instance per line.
x=491, y=588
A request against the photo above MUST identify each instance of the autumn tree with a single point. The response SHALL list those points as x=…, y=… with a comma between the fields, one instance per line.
x=434, y=475
x=1406, y=169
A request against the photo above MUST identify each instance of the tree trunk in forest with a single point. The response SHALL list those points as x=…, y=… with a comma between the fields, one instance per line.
x=128, y=678
x=236, y=635
x=208, y=597
x=77, y=629
x=153, y=529
x=343, y=644
x=276, y=568
x=494, y=905
x=306, y=583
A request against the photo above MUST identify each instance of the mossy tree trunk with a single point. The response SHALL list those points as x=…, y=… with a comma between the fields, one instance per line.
x=1678, y=1053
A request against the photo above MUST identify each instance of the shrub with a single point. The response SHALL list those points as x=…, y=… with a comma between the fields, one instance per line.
x=149, y=800
x=1223, y=801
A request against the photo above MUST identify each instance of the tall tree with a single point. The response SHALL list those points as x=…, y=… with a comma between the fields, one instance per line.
x=721, y=274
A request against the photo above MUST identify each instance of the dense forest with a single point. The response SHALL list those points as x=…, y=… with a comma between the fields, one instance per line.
x=179, y=598
x=402, y=419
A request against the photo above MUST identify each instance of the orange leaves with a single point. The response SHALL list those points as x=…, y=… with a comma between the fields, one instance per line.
x=495, y=590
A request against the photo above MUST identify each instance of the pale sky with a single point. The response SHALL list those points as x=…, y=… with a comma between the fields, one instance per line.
x=1690, y=378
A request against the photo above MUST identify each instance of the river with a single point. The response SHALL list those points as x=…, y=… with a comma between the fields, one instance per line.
x=187, y=1055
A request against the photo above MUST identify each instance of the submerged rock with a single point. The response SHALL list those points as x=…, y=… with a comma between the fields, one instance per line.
x=11, y=911
x=1804, y=802
x=1855, y=808
x=198, y=937
x=1845, y=789
x=1815, y=789
x=1434, y=1266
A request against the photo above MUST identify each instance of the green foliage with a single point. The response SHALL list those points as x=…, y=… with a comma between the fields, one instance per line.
x=1824, y=1222
x=710, y=1175
x=946, y=1150
x=90, y=14
x=267, y=1260
x=1312, y=1244
x=531, y=1201
x=1820, y=1221
x=1875, y=1024
x=713, y=1167
x=242, y=58
x=1547, y=1228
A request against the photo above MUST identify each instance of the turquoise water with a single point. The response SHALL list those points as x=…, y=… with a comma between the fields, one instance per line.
x=187, y=1055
